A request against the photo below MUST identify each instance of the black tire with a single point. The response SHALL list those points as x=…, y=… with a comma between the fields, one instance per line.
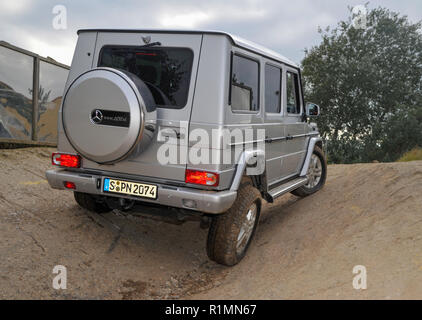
x=225, y=228
x=305, y=191
x=91, y=203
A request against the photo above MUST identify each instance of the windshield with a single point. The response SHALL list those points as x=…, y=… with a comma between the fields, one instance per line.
x=166, y=71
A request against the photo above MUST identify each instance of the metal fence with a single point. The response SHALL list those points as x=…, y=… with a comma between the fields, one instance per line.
x=31, y=89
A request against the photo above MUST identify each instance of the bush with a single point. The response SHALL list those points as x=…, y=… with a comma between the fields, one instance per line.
x=412, y=155
x=368, y=84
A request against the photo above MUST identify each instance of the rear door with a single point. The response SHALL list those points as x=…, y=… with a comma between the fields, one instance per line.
x=294, y=146
x=274, y=121
x=182, y=53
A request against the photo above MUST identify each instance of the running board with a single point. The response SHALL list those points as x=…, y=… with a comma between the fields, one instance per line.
x=287, y=187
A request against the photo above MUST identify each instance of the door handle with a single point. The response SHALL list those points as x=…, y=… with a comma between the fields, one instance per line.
x=170, y=133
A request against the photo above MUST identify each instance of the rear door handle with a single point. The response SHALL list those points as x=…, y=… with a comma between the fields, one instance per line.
x=173, y=133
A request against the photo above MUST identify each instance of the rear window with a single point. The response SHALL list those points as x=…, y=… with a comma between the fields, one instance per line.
x=244, y=84
x=272, y=89
x=166, y=71
x=293, y=99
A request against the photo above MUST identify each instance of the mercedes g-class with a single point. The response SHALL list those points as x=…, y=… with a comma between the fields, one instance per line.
x=187, y=125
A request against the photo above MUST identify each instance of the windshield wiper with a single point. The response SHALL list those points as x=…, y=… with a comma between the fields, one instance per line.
x=151, y=44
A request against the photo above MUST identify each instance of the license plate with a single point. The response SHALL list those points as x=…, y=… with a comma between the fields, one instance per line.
x=130, y=188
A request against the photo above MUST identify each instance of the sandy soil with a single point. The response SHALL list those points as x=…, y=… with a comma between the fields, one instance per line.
x=368, y=214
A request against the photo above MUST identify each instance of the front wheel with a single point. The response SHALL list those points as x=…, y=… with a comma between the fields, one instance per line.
x=317, y=174
x=231, y=233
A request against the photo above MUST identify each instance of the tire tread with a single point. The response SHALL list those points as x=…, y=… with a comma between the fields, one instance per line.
x=221, y=242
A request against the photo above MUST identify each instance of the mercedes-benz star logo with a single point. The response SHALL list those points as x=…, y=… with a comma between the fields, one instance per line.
x=97, y=116
x=146, y=40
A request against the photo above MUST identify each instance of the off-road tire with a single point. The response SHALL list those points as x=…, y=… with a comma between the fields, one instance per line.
x=90, y=203
x=225, y=228
x=305, y=191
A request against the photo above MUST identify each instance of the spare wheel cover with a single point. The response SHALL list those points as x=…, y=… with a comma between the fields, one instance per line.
x=103, y=115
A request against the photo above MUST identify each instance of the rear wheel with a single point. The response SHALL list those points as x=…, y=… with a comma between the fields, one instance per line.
x=231, y=233
x=317, y=174
x=91, y=203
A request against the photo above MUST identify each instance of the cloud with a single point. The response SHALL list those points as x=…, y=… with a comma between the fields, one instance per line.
x=284, y=26
x=184, y=20
x=14, y=7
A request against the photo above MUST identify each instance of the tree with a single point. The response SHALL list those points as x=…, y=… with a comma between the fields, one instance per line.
x=368, y=84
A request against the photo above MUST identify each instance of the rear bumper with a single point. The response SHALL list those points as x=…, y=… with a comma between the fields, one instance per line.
x=213, y=202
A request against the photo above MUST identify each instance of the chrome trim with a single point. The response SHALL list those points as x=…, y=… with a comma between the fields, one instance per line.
x=304, y=135
x=245, y=142
x=270, y=140
x=287, y=187
x=279, y=181
x=241, y=166
x=311, y=146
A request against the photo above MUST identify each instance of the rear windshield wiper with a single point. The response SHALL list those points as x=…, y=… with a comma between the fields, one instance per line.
x=151, y=44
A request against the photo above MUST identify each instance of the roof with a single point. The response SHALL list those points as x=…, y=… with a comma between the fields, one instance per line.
x=238, y=41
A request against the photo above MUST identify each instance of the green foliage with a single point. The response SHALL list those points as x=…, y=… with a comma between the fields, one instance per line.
x=368, y=84
x=412, y=155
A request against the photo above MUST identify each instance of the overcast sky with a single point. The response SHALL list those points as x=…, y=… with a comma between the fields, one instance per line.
x=284, y=26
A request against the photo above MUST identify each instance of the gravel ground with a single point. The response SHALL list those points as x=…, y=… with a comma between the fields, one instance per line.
x=368, y=214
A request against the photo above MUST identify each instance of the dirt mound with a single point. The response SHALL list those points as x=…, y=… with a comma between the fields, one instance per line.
x=368, y=214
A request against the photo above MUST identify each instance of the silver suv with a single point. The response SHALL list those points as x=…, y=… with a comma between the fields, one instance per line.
x=186, y=125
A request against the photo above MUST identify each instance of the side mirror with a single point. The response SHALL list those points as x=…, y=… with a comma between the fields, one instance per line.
x=312, y=109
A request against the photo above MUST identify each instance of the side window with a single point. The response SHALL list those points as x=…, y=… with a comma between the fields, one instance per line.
x=293, y=99
x=244, y=84
x=272, y=89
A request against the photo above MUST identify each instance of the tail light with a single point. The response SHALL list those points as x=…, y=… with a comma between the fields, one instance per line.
x=69, y=185
x=66, y=160
x=202, y=177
